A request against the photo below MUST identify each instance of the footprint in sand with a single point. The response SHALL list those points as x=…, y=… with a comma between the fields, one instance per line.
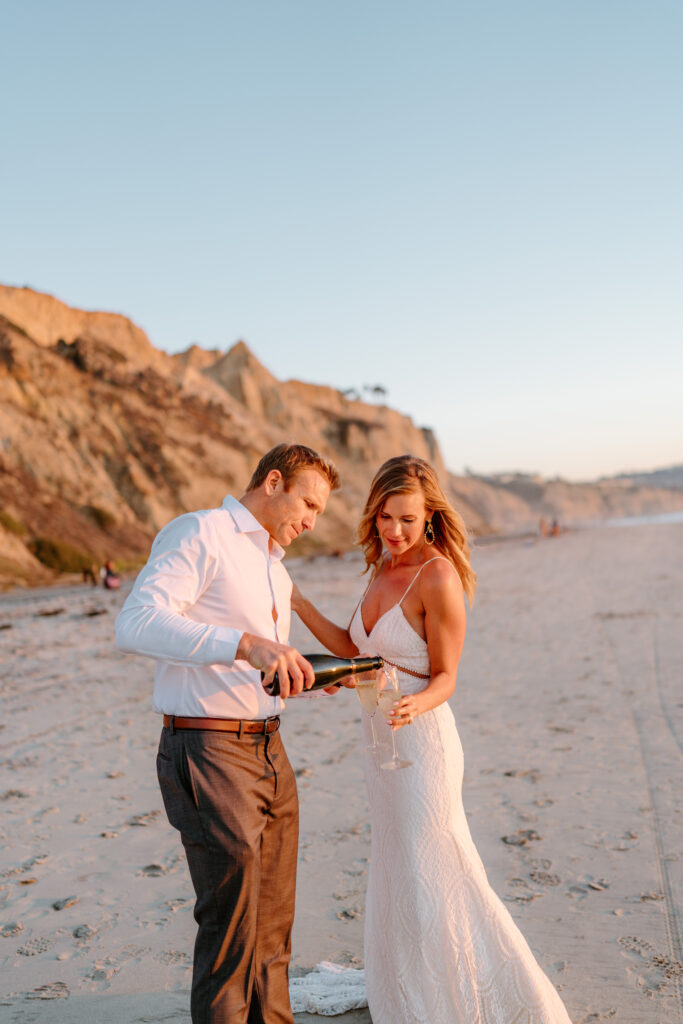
x=628, y=841
x=532, y=774
x=576, y=892
x=349, y=913
x=349, y=887
x=12, y=928
x=356, y=872
x=153, y=870
x=68, y=901
x=521, y=837
x=144, y=819
x=14, y=794
x=178, y=904
x=521, y=897
x=35, y=946
x=655, y=970
x=104, y=970
x=545, y=878
x=53, y=990
x=173, y=956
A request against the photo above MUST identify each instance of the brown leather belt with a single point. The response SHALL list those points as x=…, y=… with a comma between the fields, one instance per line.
x=239, y=725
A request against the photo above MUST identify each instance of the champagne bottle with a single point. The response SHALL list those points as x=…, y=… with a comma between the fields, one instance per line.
x=329, y=670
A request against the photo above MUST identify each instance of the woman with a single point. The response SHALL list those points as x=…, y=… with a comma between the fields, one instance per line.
x=440, y=947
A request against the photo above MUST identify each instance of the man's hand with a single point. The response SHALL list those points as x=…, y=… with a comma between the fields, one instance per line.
x=294, y=672
x=348, y=681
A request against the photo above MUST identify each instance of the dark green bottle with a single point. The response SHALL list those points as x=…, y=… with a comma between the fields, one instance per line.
x=330, y=670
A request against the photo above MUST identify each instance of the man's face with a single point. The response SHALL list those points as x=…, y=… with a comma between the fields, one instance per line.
x=290, y=511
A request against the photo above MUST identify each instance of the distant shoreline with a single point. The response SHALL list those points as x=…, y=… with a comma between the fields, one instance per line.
x=73, y=581
x=658, y=519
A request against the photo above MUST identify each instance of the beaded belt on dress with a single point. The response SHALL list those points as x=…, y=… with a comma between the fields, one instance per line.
x=408, y=671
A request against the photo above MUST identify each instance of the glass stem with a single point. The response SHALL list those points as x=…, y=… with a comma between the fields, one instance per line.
x=393, y=744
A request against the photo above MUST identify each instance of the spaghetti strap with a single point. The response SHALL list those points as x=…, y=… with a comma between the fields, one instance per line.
x=434, y=559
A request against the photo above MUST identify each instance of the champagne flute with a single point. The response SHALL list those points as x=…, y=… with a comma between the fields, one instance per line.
x=388, y=695
x=367, y=689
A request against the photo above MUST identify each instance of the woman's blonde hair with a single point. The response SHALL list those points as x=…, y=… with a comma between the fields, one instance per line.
x=406, y=474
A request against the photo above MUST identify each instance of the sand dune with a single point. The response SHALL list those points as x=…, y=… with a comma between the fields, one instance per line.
x=571, y=716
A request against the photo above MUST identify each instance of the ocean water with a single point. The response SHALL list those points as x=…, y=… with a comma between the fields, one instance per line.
x=661, y=518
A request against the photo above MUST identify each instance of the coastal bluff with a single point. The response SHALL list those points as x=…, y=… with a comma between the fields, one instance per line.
x=104, y=438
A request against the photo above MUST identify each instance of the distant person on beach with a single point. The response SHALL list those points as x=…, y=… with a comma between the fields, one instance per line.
x=110, y=579
x=440, y=946
x=213, y=607
x=91, y=574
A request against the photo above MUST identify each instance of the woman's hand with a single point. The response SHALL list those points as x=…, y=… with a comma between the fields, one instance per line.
x=404, y=711
x=297, y=599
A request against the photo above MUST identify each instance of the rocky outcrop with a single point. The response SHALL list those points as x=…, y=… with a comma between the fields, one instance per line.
x=46, y=320
x=103, y=439
x=512, y=503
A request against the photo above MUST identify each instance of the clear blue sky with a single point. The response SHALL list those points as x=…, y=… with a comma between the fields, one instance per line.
x=477, y=205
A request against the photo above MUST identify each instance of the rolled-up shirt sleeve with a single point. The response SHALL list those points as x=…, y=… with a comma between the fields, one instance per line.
x=156, y=618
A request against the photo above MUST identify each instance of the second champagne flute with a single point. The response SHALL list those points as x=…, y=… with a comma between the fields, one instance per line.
x=367, y=689
x=389, y=693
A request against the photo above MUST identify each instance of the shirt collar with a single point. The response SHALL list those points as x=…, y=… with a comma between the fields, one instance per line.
x=246, y=522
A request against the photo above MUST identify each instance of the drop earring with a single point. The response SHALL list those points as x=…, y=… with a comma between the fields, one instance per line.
x=429, y=532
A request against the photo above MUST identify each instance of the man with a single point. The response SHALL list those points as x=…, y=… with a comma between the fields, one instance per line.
x=213, y=607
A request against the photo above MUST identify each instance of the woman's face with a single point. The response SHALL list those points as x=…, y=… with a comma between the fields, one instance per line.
x=401, y=522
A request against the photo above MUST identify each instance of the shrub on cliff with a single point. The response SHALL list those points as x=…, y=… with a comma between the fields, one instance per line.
x=99, y=516
x=58, y=555
x=11, y=524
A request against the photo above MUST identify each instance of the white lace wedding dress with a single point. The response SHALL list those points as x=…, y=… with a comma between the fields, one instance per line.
x=440, y=947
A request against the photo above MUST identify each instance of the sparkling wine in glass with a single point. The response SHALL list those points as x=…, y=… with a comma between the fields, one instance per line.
x=389, y=693
x=367, y=688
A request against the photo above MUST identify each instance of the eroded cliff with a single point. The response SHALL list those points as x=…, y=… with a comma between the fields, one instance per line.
x=104, y=438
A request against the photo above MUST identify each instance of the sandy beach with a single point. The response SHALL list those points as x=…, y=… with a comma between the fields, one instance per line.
x=570, y=711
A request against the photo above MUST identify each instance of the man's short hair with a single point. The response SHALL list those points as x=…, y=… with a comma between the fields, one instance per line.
x=290, y=459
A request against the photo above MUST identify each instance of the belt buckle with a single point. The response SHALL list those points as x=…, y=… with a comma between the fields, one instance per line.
x=266, y=723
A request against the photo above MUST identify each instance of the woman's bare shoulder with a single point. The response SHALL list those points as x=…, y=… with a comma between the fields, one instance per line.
x=439, y=581
x=439, y=571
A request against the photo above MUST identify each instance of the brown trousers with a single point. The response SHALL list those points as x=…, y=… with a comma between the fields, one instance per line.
x=234, y=802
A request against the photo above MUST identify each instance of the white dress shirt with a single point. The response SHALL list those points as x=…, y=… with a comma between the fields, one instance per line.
x=211, y=576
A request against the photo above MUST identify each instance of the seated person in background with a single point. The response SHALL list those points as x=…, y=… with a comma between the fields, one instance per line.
x=110, y=579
